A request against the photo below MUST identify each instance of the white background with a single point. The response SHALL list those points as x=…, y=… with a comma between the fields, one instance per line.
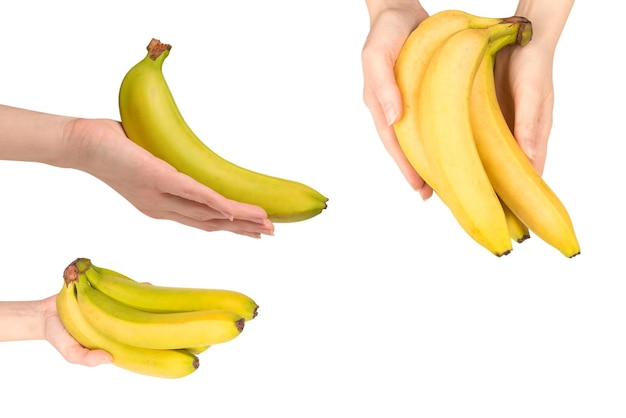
x=381, y=305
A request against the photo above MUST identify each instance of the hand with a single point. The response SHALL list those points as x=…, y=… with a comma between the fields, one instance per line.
x=389, y=29
x=526, y=96
x=155, y=187
x=70, y=349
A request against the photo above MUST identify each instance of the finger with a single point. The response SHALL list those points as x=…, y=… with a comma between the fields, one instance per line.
x=210, y=204
x=378, y=56
x=192, y=213
x=237, y=226
x=75, y=353
x=374, y=99
x=533, y=122
x=92, y=358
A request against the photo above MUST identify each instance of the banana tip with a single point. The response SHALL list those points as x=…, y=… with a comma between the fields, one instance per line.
x=240, y=324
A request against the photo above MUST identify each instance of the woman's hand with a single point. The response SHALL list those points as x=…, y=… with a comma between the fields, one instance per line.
x=390, y=26
x=155, y=187
x=526, y=96
x=39, y=320
x=56, y=334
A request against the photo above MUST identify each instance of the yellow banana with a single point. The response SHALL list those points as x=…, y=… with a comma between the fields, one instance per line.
x=152, y=298
x=174, y=330
x=442, y=115
x=157, y=363
x=409, y=69
x=512, y=175
x=151, y=118
x=518, y=231
x=197, y=350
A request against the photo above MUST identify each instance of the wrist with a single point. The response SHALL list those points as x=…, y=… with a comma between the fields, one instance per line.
x=24, y=320
x=548, y=20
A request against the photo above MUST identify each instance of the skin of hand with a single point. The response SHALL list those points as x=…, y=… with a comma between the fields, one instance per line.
x=100, y=147
x=38, y=320
x=523, y=76
x=390, y=25
x=155, y=187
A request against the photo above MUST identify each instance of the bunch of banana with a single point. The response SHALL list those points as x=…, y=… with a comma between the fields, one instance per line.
x=152, y=330
x=453, y=132
x=151, y=119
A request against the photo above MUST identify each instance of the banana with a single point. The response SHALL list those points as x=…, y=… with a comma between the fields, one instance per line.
x=197, y=350
x=442, y=115
x=512, y=175
x=518, y=231
x=156, y=363
x=152, y=298
x=409, y=69
x=151, y=119
x=172, y=330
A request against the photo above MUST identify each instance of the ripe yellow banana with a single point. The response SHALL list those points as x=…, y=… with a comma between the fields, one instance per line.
x=157, y=363
x=409, y=69
x=151, y=118
x=197, y=350
x=442, y=115
x=512, y=175
x=518, y=231
x=174, y=330
x=152, y=298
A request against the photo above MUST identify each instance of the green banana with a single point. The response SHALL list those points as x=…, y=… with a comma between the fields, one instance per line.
x=152, y=298
x=170, y=364
x=172, y=330
x=151, y=119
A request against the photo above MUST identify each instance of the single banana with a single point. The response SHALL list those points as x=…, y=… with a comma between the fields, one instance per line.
x=512, y=175
x=156, y=363
x=445, y=129
x=151, y=119
x=175, y=330
x=409, y=70
x=152, y=298
x=518, y=231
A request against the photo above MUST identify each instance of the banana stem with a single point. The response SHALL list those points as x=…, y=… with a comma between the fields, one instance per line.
x=156, y=48
x=76, y=267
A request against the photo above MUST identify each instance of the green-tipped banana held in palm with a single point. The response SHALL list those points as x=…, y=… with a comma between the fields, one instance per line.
x=175, y=330
x=152, y=298
x=151, y=118
x=446, y=132
x=409, y=70
x=512, y=175
x=156, y=363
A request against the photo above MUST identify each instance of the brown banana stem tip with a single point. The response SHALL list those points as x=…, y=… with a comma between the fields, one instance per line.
x=196, y=363
x=525, y=32
x=256, y=312
x=156, y=48
x=71, y=272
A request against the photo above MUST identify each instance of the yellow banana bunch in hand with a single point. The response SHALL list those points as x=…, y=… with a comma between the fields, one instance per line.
x=151, y=118
x=163, y=329
x=452, y=132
